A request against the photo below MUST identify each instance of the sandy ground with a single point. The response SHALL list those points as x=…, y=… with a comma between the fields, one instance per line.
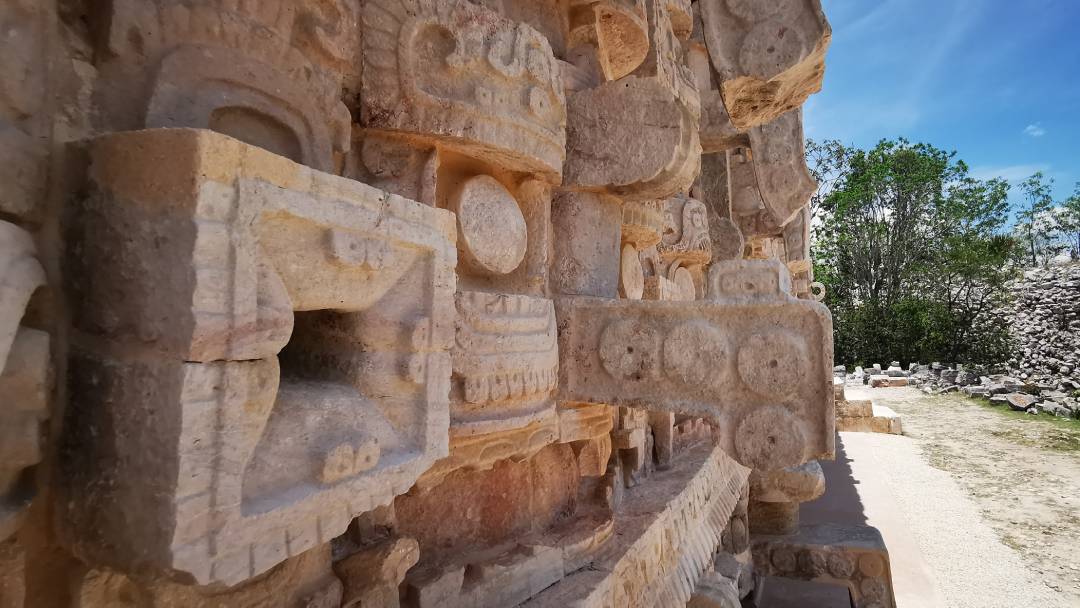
x=996, y=515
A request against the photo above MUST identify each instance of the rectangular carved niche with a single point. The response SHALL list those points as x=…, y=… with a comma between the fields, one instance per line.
x=751, y=356
x=192, y=446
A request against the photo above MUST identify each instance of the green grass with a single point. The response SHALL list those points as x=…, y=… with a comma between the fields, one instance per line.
x=1043, y=430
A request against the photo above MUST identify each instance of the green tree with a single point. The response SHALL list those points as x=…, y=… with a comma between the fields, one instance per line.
x=1069, y=222
x=1036, y=223
x=911, y=251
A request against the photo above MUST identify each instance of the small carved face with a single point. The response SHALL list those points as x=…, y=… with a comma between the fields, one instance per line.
x=697, y=217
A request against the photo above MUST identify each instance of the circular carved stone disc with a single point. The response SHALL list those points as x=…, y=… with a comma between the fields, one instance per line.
x=771, y=48
x=492, y=235
x=697, y=354
x=631, y=276
x=769, y=438
x=772, y=364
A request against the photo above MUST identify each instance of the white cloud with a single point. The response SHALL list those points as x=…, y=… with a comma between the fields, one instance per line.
x=1014, y=174
x=1034, y=130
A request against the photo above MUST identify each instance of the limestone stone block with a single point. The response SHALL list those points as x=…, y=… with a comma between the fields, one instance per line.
x=25, y=368
x=618, y=29
x=794, y=484
x=775, y=497
x=632, y=138
x=716, y=132
x=769, y=56
x=686, y=233
x=303, y=581
x=662, y=425
x=643, y=223
x=735, y=539
x=751, y=357
x=660, y=288
x=772, y=178
x=884, y=380
x=583, y=421
x=262, y=352
x=505, y=362
x=637, y=137
x=714, y=590
x=458, y=74
x=852, y=556
x=664, y=534
x=631, y=274
x=269, y=76
x=371, y=576
x=587, y=250
x=25, y=105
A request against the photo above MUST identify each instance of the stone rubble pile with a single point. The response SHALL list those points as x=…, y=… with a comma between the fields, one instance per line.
x=1043, y=318
x=1048, y=395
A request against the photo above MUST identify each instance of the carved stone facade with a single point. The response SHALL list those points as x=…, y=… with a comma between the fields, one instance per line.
x=329, y=303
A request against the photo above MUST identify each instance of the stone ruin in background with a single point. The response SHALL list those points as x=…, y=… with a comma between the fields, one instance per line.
x=320, y=303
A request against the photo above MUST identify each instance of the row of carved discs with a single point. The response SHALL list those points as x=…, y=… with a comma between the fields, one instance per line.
x=699, y=354
x=492, y=235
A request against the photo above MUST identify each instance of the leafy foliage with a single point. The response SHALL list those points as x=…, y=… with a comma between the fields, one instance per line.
x=1038, y=225
x=912, y=252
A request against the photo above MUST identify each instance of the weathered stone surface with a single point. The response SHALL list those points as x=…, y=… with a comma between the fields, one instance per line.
x=25, y=105
x=371, y=576
x=343, y=294
x=24, y=375
x=684, y=357
x=658, y=552
x=225, y=486
x=269, y=76
x=851, y=556
x=305, y=581
x=637, y=137
x=769, y=56
x=460, y=75
x=618, y=29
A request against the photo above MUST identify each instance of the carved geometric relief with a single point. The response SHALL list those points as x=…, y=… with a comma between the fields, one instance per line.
x=852, y=556
x=492, y=233
x=686, y=232
x=643, y=223
x=505, y=370
x=460, y=74
x=637, y=137
x=270, y=74
x=664, y=532
x=751, y=357
x=238, y=456
x=770, y=56
x=505, y=361
x=618, y=28
x=24, y=375
x=779, y=159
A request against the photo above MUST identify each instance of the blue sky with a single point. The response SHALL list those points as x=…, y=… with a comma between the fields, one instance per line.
x=998, y=81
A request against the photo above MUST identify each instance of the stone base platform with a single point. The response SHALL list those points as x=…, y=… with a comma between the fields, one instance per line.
x=848, y=556
x=777, y=592
x=864, y=416
x=882, y=380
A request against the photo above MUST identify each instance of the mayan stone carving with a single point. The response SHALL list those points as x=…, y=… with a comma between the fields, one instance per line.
x=291, y=269
x=479, y=83
x=425, y=303
x=749, y=342
x=769, y=56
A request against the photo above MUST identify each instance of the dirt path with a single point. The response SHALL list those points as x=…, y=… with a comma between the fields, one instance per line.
x=1023, y=473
